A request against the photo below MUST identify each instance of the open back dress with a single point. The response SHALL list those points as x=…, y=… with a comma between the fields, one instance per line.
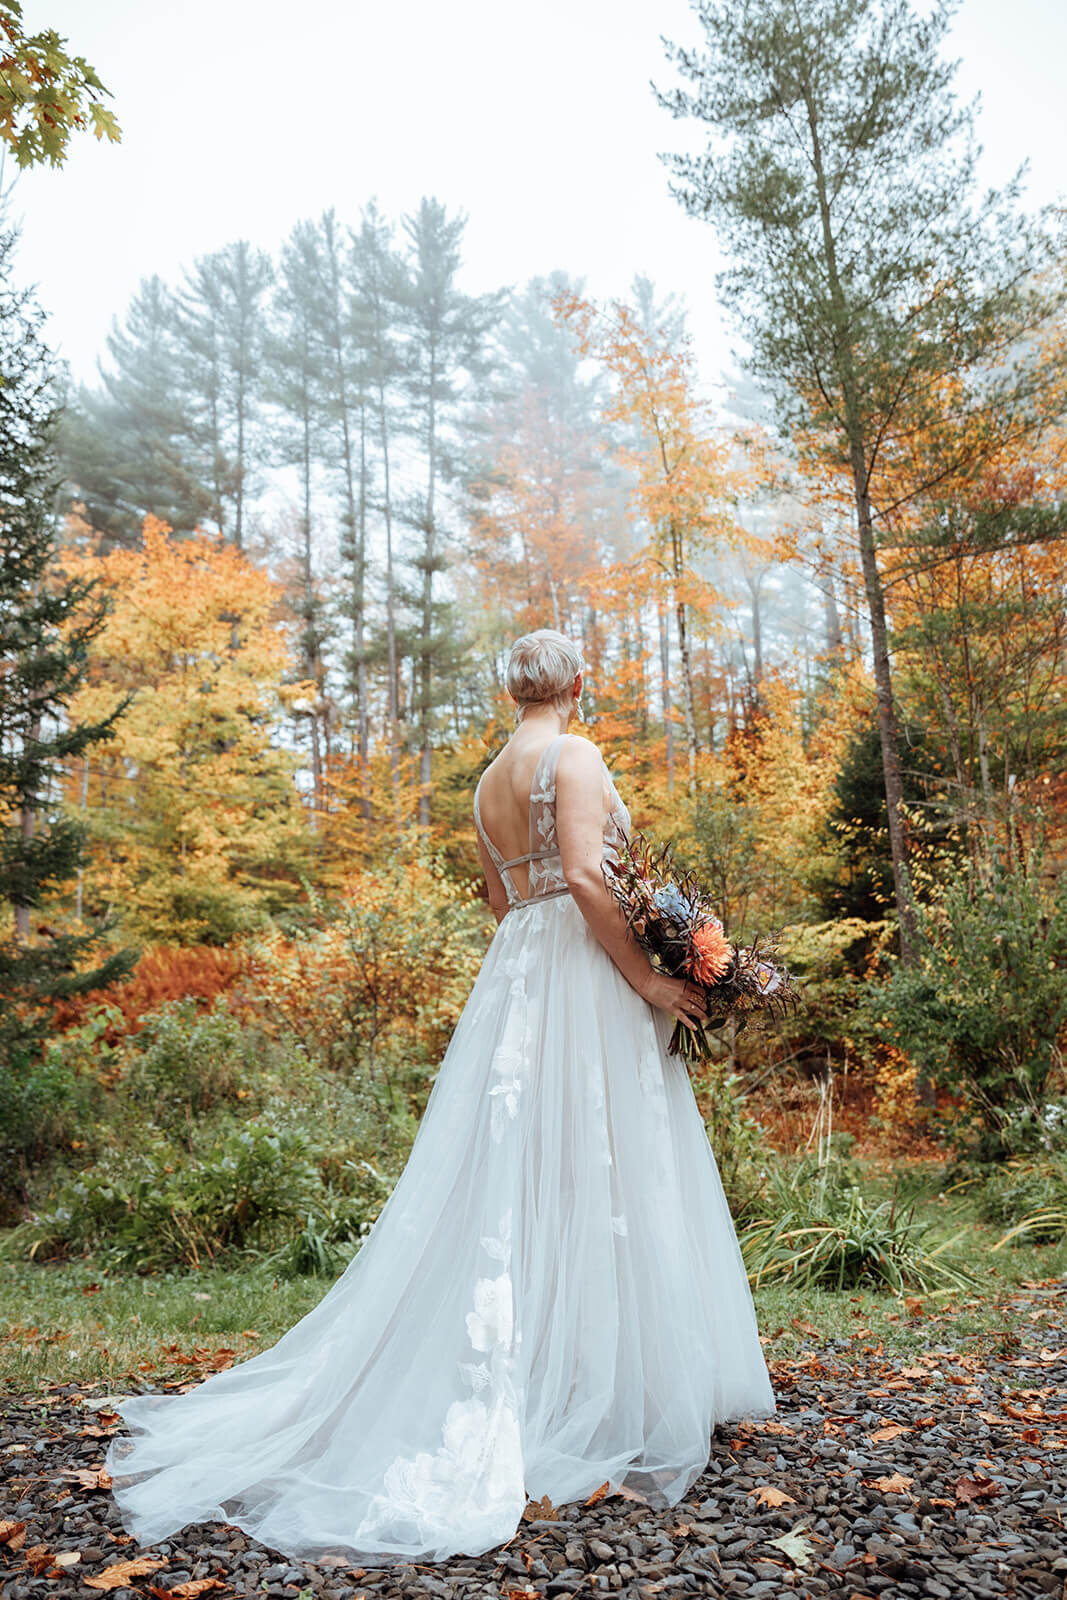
x=552, y=1297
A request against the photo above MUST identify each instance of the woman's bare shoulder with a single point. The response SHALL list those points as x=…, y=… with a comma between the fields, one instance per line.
x=579, y=757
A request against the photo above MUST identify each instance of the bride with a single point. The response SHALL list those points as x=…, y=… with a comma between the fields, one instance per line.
x=553, y=1296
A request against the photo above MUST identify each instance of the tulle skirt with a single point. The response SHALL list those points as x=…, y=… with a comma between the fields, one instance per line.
x=552, y=1298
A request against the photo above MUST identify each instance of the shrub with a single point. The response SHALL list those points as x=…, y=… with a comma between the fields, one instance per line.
x=163, y=1208
x=47, y=1104
x=833, y=963
x=163, y=973
x=185, y=1062
x=822, y=1231
x=737, y=1140
x=1029, y=1199
x=984, y=1006
x=379, y=985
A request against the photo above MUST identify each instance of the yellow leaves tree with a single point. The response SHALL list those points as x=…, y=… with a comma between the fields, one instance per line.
x=196, y=823
x=684, y=482
x=46, y=93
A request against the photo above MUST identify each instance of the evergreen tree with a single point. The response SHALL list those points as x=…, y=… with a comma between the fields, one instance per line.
x=346, y=402
x=129, y=448
x=445, y=350
x=840, y=172
x=219, y=332
x=46, y=625
x=377, y=282
x=295, y=385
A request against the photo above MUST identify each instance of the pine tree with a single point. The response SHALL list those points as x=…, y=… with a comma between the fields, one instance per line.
x=346, y=400
x=445, y=337
x=295, y=385
x=129, y=447
x=219, y=322
x=840, y=172
x=46, y=626
x=377, y=285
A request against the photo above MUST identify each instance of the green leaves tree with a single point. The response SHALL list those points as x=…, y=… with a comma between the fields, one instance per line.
x=839, y=169
x=46, y=626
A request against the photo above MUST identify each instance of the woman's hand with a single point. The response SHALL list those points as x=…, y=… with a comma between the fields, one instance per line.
x=682, y=999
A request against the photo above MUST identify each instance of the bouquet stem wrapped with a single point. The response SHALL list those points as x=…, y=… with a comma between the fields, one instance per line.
x=673, y=921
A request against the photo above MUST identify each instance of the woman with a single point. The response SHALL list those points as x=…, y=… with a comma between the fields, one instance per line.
x=553, y=1296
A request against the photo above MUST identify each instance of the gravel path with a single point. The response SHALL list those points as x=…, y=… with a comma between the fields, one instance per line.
x=943, y=1477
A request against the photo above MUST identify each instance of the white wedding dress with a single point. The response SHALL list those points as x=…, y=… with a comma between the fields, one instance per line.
x=552, y=1298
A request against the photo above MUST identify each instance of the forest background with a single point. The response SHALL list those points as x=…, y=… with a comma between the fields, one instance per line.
x=261, y=576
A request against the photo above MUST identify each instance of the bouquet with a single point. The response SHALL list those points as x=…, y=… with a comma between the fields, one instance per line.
x=672, y=919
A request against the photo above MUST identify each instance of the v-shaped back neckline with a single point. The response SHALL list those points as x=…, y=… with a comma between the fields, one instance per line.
x=497, y=856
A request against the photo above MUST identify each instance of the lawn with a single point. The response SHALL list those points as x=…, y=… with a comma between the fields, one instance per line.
x=78, y=1322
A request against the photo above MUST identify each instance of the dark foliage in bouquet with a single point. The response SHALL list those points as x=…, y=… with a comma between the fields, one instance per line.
x=673, y=921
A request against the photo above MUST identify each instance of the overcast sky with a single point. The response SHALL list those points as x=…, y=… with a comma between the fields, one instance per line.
x=241, y=116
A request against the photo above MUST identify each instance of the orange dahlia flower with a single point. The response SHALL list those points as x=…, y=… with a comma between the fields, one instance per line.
x=711, y=953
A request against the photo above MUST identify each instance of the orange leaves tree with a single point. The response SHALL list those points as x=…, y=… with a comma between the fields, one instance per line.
x=376, y=983
x=683, y=482
x=196, y=824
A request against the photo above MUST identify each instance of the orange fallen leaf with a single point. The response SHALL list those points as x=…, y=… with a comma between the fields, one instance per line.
x=12, y=1534
x=118, y=1575
x=90, y=1477
x=768, y=1495
x=892, y=1430
x=803, y=1327
x=977, y=1488
x=896, y=1483
x=540, y=1510
x=186, y=1591
x=37, y=1558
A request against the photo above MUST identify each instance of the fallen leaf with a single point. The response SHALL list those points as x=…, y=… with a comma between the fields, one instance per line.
x=598, y=1494
x=914, y=1372
x=68, y=1558
x=804, y=1327
x=979, y=1488
x=90, y=1477
x=794, y=1546
x=13, y=1534
x=118, y=1575
x=186, y=1591
x=542, y=1510
x=896, y=1483
x=768, y=1495
x=892, y=1430
x=37, y=1558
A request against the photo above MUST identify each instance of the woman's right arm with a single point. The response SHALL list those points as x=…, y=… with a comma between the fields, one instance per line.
x=580, y=830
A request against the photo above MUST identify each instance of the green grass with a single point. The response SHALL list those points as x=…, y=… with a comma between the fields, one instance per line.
x=75, y=1322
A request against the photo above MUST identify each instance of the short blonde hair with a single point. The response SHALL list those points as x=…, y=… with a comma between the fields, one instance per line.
x=542, y=668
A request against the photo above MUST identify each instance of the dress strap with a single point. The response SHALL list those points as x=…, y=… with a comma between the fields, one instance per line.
x=494, y=854
x=531, y=855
